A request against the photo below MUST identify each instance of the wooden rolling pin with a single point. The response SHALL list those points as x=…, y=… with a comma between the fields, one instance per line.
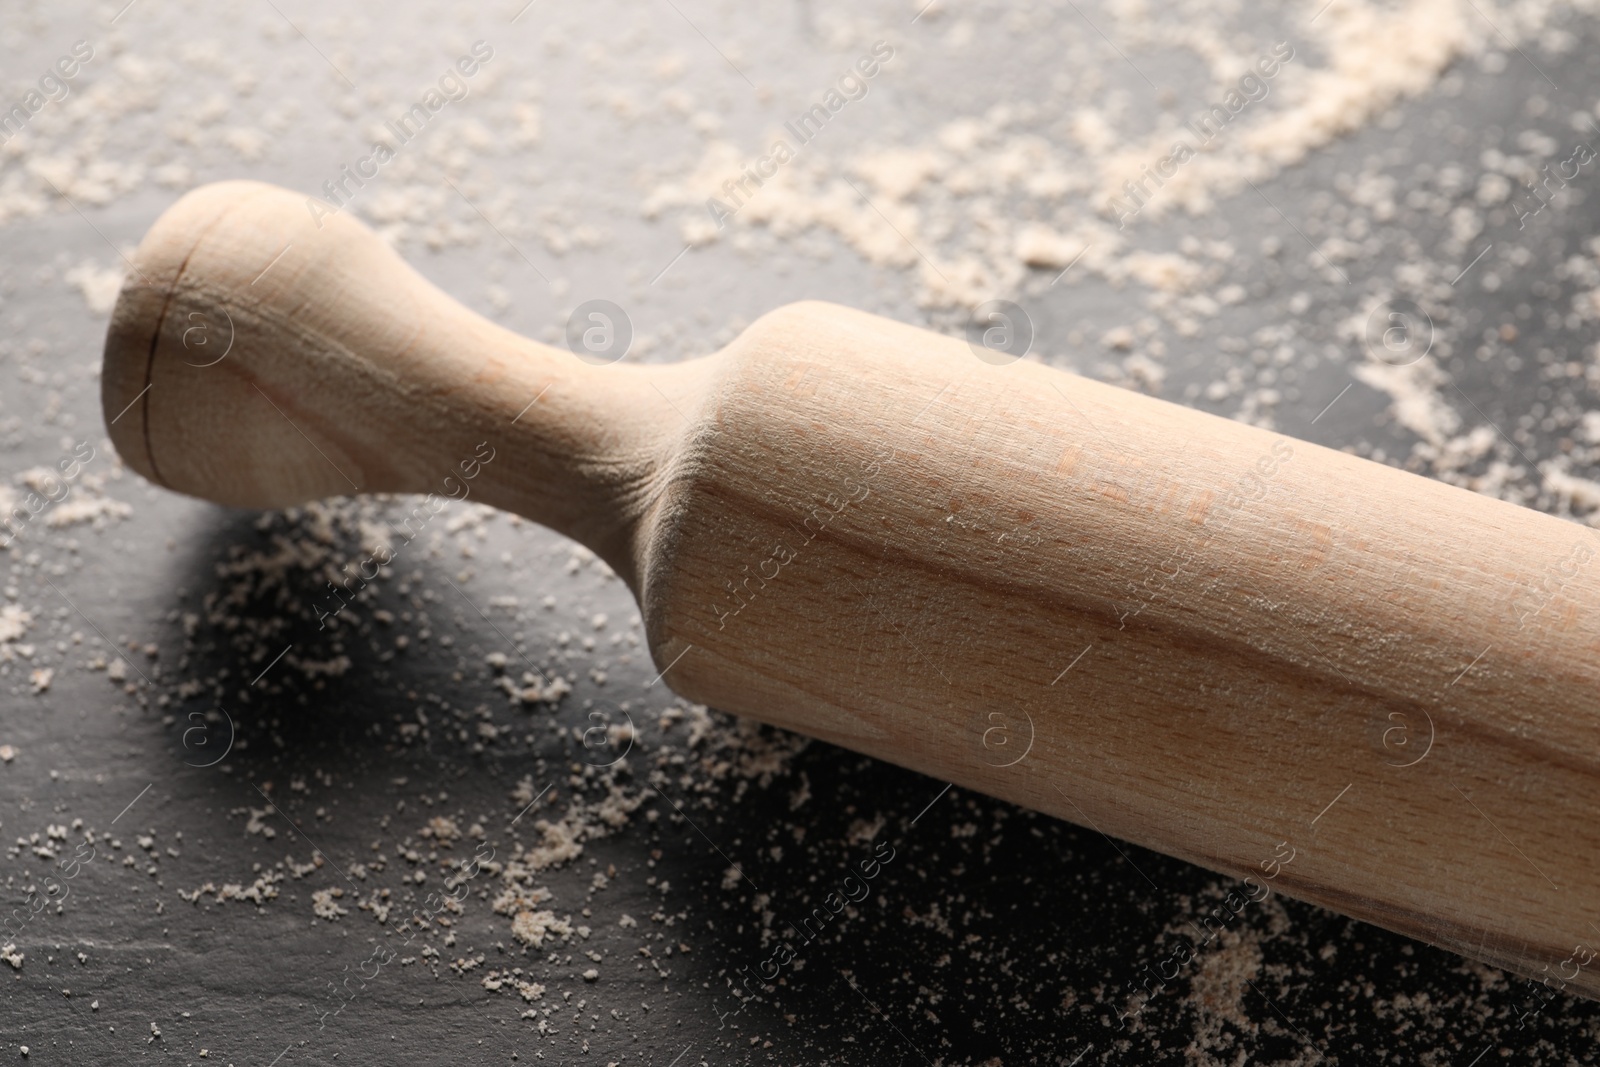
x=1358, y=686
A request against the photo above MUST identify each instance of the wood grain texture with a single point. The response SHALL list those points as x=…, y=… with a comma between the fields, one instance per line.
x=1193, y=634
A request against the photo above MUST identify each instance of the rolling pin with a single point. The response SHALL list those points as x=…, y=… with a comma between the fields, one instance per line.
x=1360, y=687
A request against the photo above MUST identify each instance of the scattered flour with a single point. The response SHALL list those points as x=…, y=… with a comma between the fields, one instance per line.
x=99, y=285
x=13, y=623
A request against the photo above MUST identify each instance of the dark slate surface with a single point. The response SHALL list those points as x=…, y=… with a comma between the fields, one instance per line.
x=992, y=936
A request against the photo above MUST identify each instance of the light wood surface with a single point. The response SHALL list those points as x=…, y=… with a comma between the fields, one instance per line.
x=1208, y=639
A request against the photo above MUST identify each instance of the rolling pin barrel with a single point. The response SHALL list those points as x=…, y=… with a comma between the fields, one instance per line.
x=1357, y=686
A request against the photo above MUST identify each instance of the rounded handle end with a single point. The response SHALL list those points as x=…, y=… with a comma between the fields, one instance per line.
x=132, y=348
x=245, y=344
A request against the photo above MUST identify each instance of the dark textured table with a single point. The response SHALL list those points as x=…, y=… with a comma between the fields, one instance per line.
x=245, y=826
